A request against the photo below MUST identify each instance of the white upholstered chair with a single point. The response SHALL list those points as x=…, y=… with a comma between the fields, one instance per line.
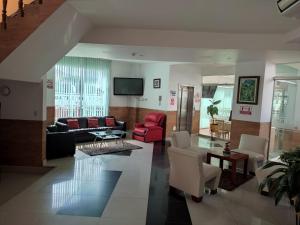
x=189, y=174
x=256, y=148
x=182, y=140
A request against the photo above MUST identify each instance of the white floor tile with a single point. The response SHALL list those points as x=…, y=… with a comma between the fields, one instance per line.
x=126, y=208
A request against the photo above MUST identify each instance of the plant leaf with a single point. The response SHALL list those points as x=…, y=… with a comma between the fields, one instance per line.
x=272, y=163
x=279, y=170
x=279, y=194
x=217, y=102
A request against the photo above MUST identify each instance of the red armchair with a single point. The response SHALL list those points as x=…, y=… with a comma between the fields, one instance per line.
x=152, y=129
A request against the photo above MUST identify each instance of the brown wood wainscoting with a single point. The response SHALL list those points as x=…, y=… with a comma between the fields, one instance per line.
x=22, y=142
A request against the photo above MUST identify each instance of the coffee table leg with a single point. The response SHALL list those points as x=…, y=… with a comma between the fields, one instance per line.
x=233, y=172
x=245, y=168
x=95, y=143
x=208, y=158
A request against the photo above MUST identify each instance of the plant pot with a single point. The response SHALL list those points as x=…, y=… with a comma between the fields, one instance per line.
x=213, y=127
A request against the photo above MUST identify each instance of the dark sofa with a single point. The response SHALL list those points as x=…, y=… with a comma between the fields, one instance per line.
x=61, y=140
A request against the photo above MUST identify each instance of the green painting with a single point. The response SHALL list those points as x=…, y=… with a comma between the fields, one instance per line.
x=248, y=90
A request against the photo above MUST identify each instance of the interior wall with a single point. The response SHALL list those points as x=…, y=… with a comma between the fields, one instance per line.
x=123, y=69
x=25, y=101
x=22, y=130
x=259, y=121
x=184, y=74
x=150, y=99
x=133, y=108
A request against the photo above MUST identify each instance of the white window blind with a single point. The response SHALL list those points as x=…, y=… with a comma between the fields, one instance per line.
x=81, y=87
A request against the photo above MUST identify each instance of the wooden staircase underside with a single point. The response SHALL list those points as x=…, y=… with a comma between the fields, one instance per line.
x=19, y=28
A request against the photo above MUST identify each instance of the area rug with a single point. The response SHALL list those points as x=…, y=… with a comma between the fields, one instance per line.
x=226, y=183
x=92, y=149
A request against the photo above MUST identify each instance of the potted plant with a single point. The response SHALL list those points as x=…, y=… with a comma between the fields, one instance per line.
x=287, y=180
x=213, y=110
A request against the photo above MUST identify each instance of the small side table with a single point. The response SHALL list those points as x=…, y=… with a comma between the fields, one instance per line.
x=233, y=157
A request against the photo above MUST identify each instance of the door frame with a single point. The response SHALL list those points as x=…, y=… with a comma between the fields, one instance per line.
x=179, y=101
x=277, y=78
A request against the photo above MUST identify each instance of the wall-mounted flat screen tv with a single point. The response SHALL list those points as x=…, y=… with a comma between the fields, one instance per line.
x=128, y=86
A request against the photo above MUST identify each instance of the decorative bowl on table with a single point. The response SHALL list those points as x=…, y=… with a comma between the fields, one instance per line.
x=226, y=150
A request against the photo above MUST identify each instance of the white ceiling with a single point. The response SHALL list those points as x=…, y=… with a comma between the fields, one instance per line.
x=216, y=57
x=238, y=16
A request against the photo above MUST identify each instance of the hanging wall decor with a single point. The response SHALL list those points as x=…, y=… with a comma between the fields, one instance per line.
x=248, y=90
x=156, y=83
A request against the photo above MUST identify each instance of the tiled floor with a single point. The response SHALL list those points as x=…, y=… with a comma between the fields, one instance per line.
x=116, y=187
x=12, y=183
x=85, y=186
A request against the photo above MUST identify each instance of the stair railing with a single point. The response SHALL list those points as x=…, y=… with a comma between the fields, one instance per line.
x=4, y=15
x=20, y=11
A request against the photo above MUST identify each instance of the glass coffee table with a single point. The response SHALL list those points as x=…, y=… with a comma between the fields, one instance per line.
x=233, y=157
x=103, y=138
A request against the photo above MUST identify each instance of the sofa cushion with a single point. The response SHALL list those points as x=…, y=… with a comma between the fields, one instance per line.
x=255, y=159
x=140, y=131
x=181, y=139
x=254, y=155
x=61, y=127
x=81, y=120
x=150, y=124
x=210, y=171
x=73, y=123
x=155, y=117
x=110, y=122
x=101, y=121
x=93, y=123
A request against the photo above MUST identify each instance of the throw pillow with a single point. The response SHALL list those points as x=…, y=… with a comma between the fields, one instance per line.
x=110, y=122
x=93, y=123
x=73, y=123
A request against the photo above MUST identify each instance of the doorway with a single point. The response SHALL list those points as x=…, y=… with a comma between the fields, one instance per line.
x=185, y=108
x=285, y=122
x=223, y=92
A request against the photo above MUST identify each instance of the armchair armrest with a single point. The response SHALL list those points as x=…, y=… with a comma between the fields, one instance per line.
x=60, y=144
x=61, y=127
x=123, y=124
x=185, y=152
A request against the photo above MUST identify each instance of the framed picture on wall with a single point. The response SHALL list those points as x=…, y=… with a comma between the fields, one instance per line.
x=156, y=83
x=248, y=90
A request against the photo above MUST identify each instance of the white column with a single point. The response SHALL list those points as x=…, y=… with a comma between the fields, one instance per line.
x=262, y=111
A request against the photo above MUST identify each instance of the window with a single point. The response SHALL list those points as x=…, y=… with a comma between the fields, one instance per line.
x=81, y=87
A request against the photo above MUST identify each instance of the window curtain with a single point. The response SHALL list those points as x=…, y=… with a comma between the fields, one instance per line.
x=223, y=93
x=81, y=87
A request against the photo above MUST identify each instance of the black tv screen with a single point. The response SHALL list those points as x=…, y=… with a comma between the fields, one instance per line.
x=128, y=86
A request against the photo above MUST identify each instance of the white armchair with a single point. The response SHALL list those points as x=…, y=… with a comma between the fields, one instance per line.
x=189, y=174
x=256, y=148
x=182, y=140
